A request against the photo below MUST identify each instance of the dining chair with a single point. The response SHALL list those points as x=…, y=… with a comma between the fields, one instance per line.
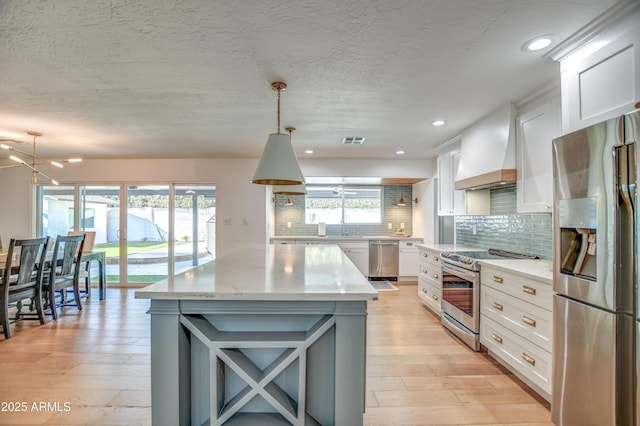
x=85, y=271
x=64, y=272
x=22, y=279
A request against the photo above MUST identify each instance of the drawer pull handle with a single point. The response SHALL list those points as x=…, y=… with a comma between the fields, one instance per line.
x=435, y=258
x=425, y=255
x=436, y=276
x=496, y=338
x=528, y=321
x=424, y=271
x=528, y=359
x=499, y=280
x=497, y=306
x=529, y=290
x=435, y=297
x=424, y=290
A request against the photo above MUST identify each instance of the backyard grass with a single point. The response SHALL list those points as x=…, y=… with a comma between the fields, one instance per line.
x=113, y=249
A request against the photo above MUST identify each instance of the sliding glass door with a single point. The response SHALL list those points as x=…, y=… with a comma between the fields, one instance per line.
x=195, y=225
x=148, y=233
x=158, y=231
x=99, y=211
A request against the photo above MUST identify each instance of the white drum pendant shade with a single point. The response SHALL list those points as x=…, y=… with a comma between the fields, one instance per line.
x=278, y=164
x=290, y=189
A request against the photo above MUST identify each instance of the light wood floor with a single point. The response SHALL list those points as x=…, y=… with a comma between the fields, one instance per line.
x=93, y=368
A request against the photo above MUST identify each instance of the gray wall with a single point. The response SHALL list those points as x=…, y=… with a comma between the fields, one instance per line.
x=507, y=230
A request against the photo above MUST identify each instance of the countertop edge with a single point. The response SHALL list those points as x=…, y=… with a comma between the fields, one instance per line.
x=535, y=269
x=263, y=297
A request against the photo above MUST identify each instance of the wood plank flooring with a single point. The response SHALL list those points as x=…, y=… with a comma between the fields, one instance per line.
x=92, y=368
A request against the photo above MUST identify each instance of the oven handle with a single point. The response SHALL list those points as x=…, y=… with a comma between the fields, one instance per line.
x=454, y=270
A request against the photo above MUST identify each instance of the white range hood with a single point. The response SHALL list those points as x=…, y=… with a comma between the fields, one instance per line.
x=488, y=151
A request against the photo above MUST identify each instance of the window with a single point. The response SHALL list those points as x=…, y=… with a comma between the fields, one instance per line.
x=343, y=204
x=87, y=222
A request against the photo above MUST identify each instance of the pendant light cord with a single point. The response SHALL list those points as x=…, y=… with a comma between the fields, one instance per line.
x=279, y=110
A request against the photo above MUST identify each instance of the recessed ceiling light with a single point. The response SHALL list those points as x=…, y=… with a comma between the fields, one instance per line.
x=537, y=43
x=437, y=122
x=309, y=151
x=400, y=152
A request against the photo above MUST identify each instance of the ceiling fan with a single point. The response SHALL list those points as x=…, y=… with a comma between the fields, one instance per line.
x=341, y=191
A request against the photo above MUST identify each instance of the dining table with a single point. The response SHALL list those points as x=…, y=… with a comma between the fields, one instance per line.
x=100, y=258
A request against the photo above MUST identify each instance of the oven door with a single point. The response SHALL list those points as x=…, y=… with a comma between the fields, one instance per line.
x=460, y=295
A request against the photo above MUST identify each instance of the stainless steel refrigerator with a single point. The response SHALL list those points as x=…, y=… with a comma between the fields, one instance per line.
x=595, y=274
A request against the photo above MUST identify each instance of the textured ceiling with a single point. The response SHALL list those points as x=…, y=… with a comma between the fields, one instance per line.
x=191, y=78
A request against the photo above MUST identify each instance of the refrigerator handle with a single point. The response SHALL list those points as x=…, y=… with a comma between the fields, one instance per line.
x=625, y=222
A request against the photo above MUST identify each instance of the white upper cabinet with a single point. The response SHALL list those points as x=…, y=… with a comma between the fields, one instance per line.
x=450, y=201
x=535, y=132
x=603, y=84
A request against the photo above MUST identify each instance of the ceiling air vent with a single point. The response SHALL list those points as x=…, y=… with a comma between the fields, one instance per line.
x=353, y=141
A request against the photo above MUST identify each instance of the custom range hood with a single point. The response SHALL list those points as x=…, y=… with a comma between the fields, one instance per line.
x=488, y=151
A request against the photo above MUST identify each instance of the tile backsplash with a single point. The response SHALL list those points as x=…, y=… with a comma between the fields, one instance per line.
x=294, y=216
x=506, y=229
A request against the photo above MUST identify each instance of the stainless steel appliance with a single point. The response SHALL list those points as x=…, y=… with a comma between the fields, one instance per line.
x=595, y=271
x=383, y=260
x=461, y=291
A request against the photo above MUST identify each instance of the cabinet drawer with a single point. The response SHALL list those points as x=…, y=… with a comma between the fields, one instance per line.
x=430, y=256
x=430, y=272
x=524, y=357
x=526, y=289
x=526, y=320
x=430, y=295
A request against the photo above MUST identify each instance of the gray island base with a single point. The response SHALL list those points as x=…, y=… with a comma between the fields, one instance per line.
x=268, y=336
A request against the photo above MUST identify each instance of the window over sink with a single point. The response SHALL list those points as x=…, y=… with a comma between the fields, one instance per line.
x=343, y=204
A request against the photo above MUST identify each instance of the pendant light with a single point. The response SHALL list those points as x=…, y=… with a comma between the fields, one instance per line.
x=278, y=164
x=290, y=189
x=401, y=203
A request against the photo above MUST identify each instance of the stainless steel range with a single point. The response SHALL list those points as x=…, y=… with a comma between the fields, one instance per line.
x=461, y=291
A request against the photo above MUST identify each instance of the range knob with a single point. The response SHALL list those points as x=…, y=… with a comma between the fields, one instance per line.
x=466, y=260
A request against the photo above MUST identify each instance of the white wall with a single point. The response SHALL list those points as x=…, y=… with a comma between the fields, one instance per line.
x=425, y=212
x=243, y=209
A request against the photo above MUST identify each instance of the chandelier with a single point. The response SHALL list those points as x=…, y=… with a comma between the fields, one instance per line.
x=32, y=159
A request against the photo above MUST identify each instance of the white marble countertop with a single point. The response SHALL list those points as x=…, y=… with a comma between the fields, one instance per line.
x=541, y=270
x=274, y=272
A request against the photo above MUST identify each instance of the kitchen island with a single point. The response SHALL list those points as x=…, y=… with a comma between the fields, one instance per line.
x=272, y=335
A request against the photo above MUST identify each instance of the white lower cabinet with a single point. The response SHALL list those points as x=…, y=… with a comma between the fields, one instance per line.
x=429, y=279
x=408, y=261
x=528, y=361
x=516, y=325
x=358, y=253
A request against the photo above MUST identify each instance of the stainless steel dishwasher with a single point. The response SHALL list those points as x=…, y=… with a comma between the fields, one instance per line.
x=383, y=260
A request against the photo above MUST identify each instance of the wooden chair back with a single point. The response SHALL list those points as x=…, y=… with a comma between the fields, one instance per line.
x=29, y=265
x=89, y=239
x=64, y=272
x=67, y=252
x=22, y=279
